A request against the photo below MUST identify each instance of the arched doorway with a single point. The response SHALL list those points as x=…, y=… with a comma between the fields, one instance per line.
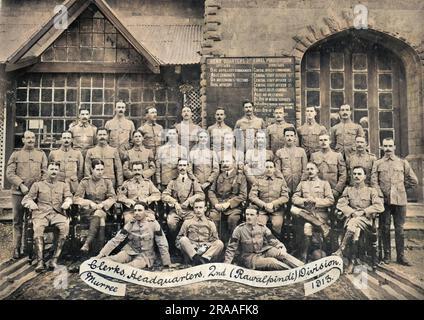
x=356, y=68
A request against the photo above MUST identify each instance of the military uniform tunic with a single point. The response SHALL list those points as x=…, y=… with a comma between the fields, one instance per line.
x=139, y=154
x=216, y=133
x=275, y=135
x=167, y=162
x=120, y=132
x=255, y=163
x=309, y=136
x=152, y=135
x=332, y=168
x=187, y=133
x=291, y=162
x=84, y=136
x=343, y=135
x=363, y=159
x=245, y=129
x=205, y=165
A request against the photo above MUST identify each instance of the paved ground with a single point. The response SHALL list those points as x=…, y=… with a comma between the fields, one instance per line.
x=6, y=248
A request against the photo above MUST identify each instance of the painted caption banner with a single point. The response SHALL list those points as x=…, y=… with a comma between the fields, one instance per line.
x=324, y=273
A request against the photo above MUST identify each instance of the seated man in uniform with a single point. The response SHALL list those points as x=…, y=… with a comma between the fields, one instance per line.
x=311, y=201
x=138, y=188
x=260, y=250
x=47, y=199
x=359, y=205
x=198, y=238
x=142, y=234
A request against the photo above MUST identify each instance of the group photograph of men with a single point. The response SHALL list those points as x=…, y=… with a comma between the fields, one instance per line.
x=265, y=197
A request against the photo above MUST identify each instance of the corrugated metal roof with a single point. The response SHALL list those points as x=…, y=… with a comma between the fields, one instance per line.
x=170, y=44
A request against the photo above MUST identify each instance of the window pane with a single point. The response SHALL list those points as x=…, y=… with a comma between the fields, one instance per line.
x=71, y=95
x=97, y=109
x=337, y=80
x=385, y=100
x=21, y=95
x=385, y=81
x=124, y=94
x=58, y=110
x=386, y=119
x=34, y=95
x=46, y=110
x=109, y=95
x=34, y=109
x=172, y=107
x=160, y=95
x=46, y=95
x=359, y=61
x=312, y=60
x=312, y=79
x=148, y=95
x=384, y=62
x=97, y=95
x=108, y=109
x=58, y=126
x=59, y=95
x=337, y=99
x=360, y=100
x=71, y=110
x=85, y=95
x=360, y=116
x=312, y=98
x=21, y=109
x=336, y=61
x=360, y=81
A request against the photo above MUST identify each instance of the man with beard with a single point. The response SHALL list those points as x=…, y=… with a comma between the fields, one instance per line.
x=310, y=131
x=343, y=134
x=138, y=153
x=226, y=196
x=110, y=157
x=120, y=129
x=359, y=205
x=204, y=161
x=137, y=189
x=269, y=194
x=83, y=132
x=180, y=194
x=167, y=159
x=275, y=131
x=291, y=160
x=360, y=157
x=24, y=167
x=151, y=130
x=218, y=130
x=259, y=248
x=71, y=162
x=142, y=235
x=391, y=176
x=47, y=200
x=246, y=127
x=198, y=238
x=187, y=130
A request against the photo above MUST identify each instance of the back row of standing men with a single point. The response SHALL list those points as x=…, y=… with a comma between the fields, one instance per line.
x=265, y=160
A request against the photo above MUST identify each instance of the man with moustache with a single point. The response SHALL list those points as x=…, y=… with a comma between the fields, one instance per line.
x=275, y=131
x=204, y=161
x=198, y=238
x=24, y=167
x=167, y=159
x=151, y=130
x=47, y=199
x=180, y=194
x=343, y=134
x=259, y=248
x=142, y=235
x=246, y=127
x=83, y=132
x=391, y=176
x=138, y=188
x=310, y=131
x=359, y=204
x=218, y=130
x=269, y=193
x=226, y=195
x=71, y=162
x=187, y=130
x=139, y=153
x=291, y=160
x=360, y=157
x=110, y=157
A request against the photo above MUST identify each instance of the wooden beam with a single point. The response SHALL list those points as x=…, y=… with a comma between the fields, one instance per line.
x=88, y=67
x=21, y=64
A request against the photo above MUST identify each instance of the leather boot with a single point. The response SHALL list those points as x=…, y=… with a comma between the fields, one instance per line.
x=400, y=250
x=346, y=240
x=58, y=250
x=101, y=237
x=92, y=232
x=17, y=239
x=386, y=246
x=305, y=251
x=39, y=247
x=353, y=257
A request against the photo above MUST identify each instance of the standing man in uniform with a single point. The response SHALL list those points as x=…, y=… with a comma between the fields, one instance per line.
x=187, y=130
x=311, y=202
x=167, y=159
x=218, y=130
x=138, y=153
x=204, y=161
x=137, y=189
x=246, y=127
x=359, y=205
x=83, y=132
x=151, y=130
x=226, y=196
x=198, y=238
x=180, y=194
x=230, y=151
x=275, y=131
x=310, y=131
x=47, y=199
x=343, y=134
x=391, y=176
x=260, y=250
x=360, y=157
x=71, y=162
x=269, y=194
x=24, y=167
x=110, y=157
x=142, y=235
x=291, y=160
x=120, y=129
